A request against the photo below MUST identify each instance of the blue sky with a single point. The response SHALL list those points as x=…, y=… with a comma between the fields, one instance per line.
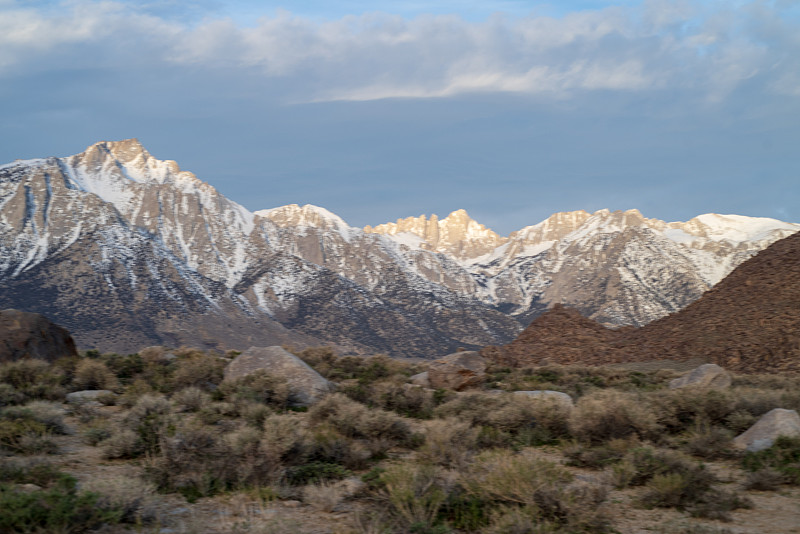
x=377, y=110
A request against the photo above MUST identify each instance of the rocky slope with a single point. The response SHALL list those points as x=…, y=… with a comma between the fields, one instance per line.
x=749, y=322
x=127, y=250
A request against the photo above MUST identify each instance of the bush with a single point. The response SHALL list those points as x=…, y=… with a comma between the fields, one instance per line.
x=783, y=457
x=32, y=379
x=355, y=420
x=536, y=488
x=599, y=456
x=710, y=442
x=191, y=399
x=26, y=429
x=766, y=479
x=150, y=418
x=414, y=495
x=260, y=387
x=133, y=498
x=606, y=415
x=449, y=443
x=60, y=508
x=199, y=370
x=93, y=374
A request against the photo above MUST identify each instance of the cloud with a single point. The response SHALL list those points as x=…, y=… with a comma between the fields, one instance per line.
x=710, y=49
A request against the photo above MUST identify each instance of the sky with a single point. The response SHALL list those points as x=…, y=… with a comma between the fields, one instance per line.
x=510, y=109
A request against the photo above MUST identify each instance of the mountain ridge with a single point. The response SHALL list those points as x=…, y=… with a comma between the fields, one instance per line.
x=144, y=238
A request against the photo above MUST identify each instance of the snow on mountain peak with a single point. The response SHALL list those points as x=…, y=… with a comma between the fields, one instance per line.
x=294, y=215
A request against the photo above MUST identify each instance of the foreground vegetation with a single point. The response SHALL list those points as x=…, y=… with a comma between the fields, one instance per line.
x=396, y=457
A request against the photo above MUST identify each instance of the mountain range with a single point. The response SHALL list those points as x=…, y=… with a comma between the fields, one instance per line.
x=126, y=250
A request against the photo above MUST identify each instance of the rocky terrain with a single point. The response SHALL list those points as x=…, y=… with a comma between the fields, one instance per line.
x=749, y=322
x=126, y=250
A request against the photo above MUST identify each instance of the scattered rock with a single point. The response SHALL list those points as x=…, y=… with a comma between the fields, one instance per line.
x=709, y=375
x=458, y=371
x=291, y=504
x=88, y=395
x=30, y=335
x=762, y=434
x=421, y=379
x=306, y=386
x=548, y=395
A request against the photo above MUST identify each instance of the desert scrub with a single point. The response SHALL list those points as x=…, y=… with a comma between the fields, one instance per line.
x=543, y=491
x=508, y=420
x=577, y=380
x=27, y=429
x=93, y=374
x=608, y=414
x=449, y=443
x=598, y=456
x=680, y=410
x=58, y=508
x=355, y=420
x=710, y=442
x=259, y=386
x=31, y=379
x=194, y=368
x=131, y=497
x=783, y=457
x=414, y=495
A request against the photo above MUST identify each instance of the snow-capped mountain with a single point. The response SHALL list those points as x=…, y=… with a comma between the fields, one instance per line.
x=127, y=250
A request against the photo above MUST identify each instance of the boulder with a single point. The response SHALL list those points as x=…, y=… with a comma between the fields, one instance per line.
x=30, y=335
x=548, y=395
x=458, y=371
x=709, y=375
x=420, y=379
x=306, y=386
x=762, y=434
x=87, y=395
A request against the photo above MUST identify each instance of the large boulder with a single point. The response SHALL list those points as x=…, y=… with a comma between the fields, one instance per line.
x=762, y=435
x=556, y=397
x=88, y=395
x=457, y=371
x=420, y=379
x=306, y=386
x=30, y=335
x=709, y=376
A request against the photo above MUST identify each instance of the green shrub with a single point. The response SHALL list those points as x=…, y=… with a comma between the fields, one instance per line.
x=60, y=508
x=199, y=370
x=710, y=442
x=28, y=471
x=315, y=472
x=783, y=457
x=414, y=495
x=599, y=456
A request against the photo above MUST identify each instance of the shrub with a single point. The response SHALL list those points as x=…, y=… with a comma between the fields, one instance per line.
x=150, y=419
x=325, y=497
x=191, y=399
x=123, y=443
x=28, y=471
x=605, y=415
x=60, y=508
x=26, y=429
x=93, y=374
x=355, y=420
x=599, y=456
x=680, y=410
x=199, y=370
x=414, y=494
x=260, y=387
x=537, y=488
x=766, y=479
x=133, y=498
x=783, y=457
x=448, y=442
x=315, y=472
x=645, y=463
x=710, y=442
x=33, y=379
